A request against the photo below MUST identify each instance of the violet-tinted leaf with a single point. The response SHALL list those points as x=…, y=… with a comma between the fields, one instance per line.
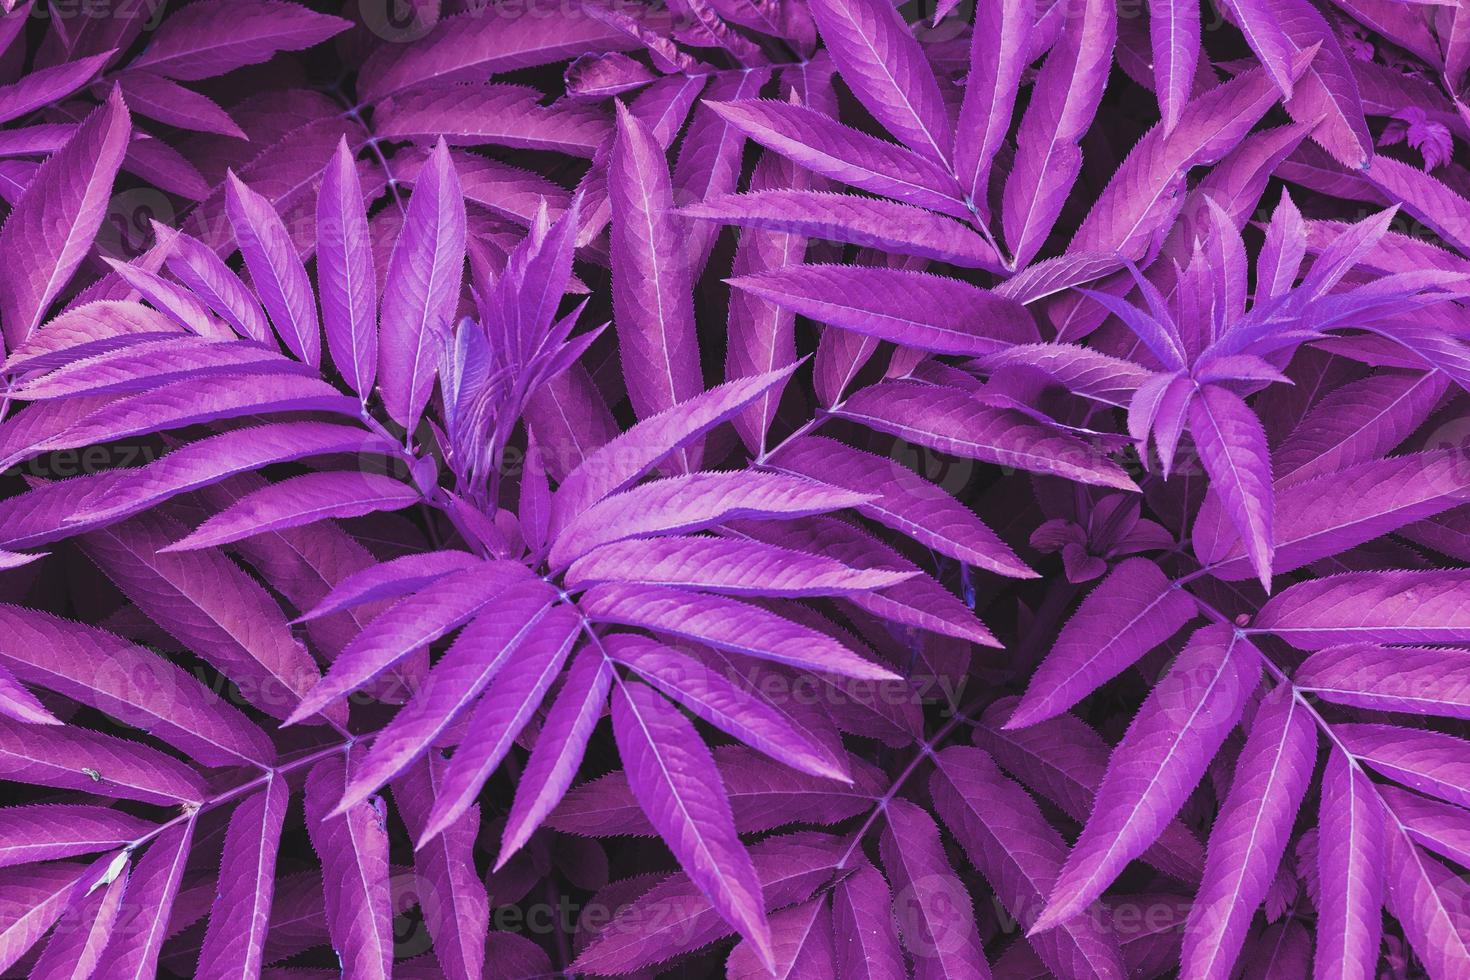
x=344, y=268
x=1251, y=832
x=421, y=291
x=212, y=37
x=51, y=228
x=675, y=781
x=275, y=269
x=235, y=939
x=1129, y=613
x=1163, y=754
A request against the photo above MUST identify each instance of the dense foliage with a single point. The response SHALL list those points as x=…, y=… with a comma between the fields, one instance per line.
x=747, y=487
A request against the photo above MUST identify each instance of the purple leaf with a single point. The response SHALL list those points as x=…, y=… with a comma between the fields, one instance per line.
x=653, y=297
x=483, y=650
x=723, y=704
x=762, y=336
x=934, y=913
x=1440, y=827
x=1174, y=33
x=1374, y=607
x=618, y=464
x=1020, y=854
x=902, y=500
x=454, y=902
x=709, y=161
x=132, y=953
x=1063, y=102
x=235, y=938
x=880, y=61
x=1232, y=446
x=899, y=228
x=210, y=604
x=169, y=102
x=674, y=779
x=76, y=946
x=1326, y=515
x=1428, y=899
x=391, y=579
x=919, y=310
x=212, y=37
x=801, y=945
x=45, y=832
x=1413, y=680
x=559, y=748
x=408, y=624
x=1064, y=760
x=472, y=45
x=1129, y=613
x=422, y=289
x=68, y=759
x=1251, y=832
x=215, y=458
x=275, y=269
x=1356, y=423
x=133, y=685
x=1430, y=762
x=149, y=366
x=205, y=273
x=998, y=43
x=516, y=691
x=862, y=914
x=1156, y=766
x=18, y=703
x=763, y=794
x=39, y=896
x=1350, y=865
x=47, y=85
x=682, y=504
x=790, y=869
x=1257, y=20
x=353, y=847
x=1139, y=204
x=1326, y=95
x=51, y=228
x=953, y=421
x=730, y=566
x=727, y=624
x=503, y=115
x=301, y=500
x=344, y=268
x=850, y=156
